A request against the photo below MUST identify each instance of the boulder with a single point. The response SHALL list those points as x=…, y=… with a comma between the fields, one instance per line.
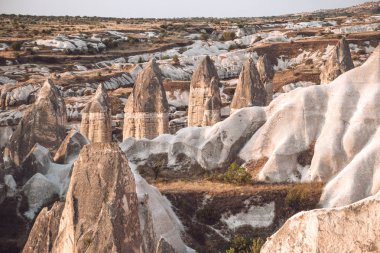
x=96, y=122
x=200, y=86
x=70, y=147
x=338, y=62
x=101, y=208
x=39, y=191
x=266, y=72
x=44, y=124
x=250, y=91
x=146, y=111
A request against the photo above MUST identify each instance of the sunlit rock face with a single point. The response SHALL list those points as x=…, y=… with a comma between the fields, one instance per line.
x=266, y=72
x=339, y=62
x=45, y=124
x=353, y=228
x=101, y=208
x=201, y=87
x=250, y=91
x=96, y=117
x=146, y=111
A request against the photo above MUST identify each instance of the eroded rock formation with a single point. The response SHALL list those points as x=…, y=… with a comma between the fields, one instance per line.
x=339, y=62
x=96, y=117
x=146, y=111
x=250, y=91
x=319, y=133
x=353, y=228
x=45, y=124
x=266, y=72
x=100, y=213
x=200, y=91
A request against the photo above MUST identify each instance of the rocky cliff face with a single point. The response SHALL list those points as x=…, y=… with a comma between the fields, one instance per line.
x=266, y=72
x=250, y=91
x=146, y=111
x=45, y=124
x=200, y=86
x=96, y=117
x=339, y=62
x=100, y=213
x=353, y=228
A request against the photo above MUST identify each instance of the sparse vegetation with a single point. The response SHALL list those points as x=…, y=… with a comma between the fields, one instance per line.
x=175, y=60
x=297, y=195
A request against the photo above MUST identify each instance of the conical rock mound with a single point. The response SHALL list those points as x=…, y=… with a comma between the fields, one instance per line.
x=146, y=111
x=200, y=86
x=250, y=91
x=45, y=124
x=96, y=117
x=101, y=208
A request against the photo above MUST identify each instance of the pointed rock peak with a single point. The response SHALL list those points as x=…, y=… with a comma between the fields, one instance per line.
x=203, y=74
x=344, y=54
x=48, y=89
x=265, y=69
x=152, y=66
x=100, y=90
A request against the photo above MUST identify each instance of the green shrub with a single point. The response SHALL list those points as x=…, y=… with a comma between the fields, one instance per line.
x=236, y=175
x=175, y=60
x=240, y=244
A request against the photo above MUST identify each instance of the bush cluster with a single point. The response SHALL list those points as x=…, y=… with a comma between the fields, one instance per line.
x=236, y=175
x=240, y=244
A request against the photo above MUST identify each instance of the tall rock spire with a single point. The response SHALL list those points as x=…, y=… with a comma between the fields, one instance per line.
x=44, y=124
x=200, y=86
x=146, y=111
x=249, y=90
x=266, y=72
x=213, y=105
x=96, y=117
x=339, y=62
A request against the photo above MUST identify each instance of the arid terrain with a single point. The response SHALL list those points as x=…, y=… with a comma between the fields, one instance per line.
x=190, y=134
